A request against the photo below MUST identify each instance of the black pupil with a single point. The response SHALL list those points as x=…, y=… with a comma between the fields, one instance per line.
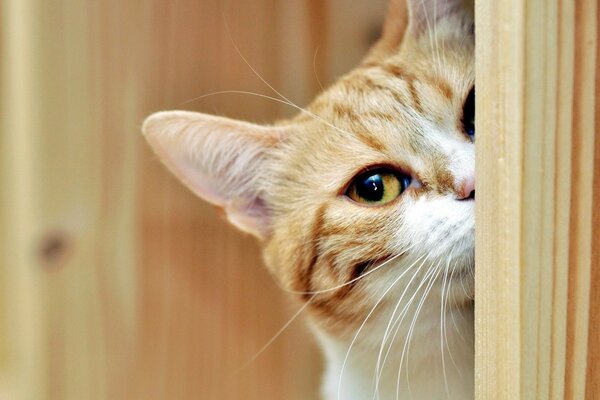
x=370, y=187
x=469, y=114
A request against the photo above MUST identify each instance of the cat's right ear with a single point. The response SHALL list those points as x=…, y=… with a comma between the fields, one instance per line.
x=394, y=27
x=221, y=160
x=425, y=15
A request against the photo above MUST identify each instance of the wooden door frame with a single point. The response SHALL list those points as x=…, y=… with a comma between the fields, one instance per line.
x=538, y=191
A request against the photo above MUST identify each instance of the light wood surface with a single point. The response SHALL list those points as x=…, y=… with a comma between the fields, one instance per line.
x=537, y=308
x=116, y=283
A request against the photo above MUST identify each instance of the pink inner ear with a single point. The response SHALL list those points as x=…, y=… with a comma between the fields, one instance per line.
x=213, y=156
x=252, y=217
x=188, y=173
x=249, y=214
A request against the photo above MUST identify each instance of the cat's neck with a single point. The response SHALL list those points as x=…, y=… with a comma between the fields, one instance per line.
x=427, y=371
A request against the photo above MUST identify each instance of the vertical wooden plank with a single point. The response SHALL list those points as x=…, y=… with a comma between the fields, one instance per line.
x=593, y=357
x=498, y=212
x=584, y=132
x=536, y=74
x=85, y=197
x=22, y=372
x=562, y=211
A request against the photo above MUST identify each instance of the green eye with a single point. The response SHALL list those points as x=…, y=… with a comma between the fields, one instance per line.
x=377, y=187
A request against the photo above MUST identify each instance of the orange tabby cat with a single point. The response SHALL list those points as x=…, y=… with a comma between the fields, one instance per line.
x=364, y=204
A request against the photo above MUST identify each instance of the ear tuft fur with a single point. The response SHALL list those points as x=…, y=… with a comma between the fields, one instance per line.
x=219, y=159
x=425, y=15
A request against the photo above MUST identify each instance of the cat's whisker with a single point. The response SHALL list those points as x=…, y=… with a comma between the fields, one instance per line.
x=350, y=282
x=444, y=310
x=465, y=291
x=443, y=322
x=408, y=340
x=438, y=59
x=246, y=93
x=444, y=71
x=440, y=269
x=445, y=297
x=451, y=311
x=452, y=316
x=264, y=96
x=339, y=389
x=258, y=75
x=430, y=32
x=379, y=368
x=283, y=99
x=432, y=282
x=315, y=68
x=397, y=322
x=276, y=335
x=393, y=323
x=303, y=110
x=456, y=329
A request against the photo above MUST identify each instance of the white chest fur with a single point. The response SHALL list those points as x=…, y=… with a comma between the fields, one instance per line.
x=437, y=365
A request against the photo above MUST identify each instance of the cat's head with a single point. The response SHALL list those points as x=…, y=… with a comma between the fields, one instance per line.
x=366, y=196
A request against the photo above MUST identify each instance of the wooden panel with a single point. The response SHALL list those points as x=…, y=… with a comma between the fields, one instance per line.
x=498, y=163
x=21, y=329
x=593, y=359
x=536, y=85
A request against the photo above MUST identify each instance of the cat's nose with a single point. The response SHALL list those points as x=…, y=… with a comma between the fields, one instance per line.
x=466, y=188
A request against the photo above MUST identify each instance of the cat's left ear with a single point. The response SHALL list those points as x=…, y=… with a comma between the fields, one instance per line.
x=425, y=15
x=221, y=160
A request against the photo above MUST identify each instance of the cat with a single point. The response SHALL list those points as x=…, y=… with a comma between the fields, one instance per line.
x=363, y=204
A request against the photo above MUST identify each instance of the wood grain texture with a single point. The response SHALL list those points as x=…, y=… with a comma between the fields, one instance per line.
x=593, y=357
x=498, y=163
x=536, y=323
x=22, y=373
x=592, y=384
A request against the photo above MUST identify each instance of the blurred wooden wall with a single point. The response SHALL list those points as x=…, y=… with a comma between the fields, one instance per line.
x=115, y=282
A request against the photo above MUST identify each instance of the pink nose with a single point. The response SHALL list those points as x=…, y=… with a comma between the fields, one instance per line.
x=466, y=190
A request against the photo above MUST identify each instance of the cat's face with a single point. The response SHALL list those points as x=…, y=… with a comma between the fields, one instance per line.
x=380, y=171
x=365, y=200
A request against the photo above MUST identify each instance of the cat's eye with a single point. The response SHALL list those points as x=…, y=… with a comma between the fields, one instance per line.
x=468, y=118
x=378, y=186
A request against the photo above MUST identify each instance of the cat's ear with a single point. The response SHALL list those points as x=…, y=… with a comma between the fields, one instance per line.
x=425, y=15
x=394, y=27
x=219, y=159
